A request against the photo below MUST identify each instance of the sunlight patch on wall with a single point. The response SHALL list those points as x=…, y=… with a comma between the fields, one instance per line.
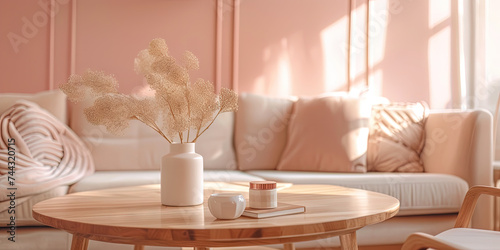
x=276, y=78
x=376, y=82
x=379, y=18
x=334, y=57
x=284, y=81
x=492, y=39
x=358, y=44
x=439, y=11
x=439, y=55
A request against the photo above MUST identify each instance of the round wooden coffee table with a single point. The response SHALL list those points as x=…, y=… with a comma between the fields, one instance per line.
x=134, y=215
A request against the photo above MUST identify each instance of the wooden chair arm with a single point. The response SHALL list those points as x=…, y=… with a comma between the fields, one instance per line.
x=422, y=241
x=469, y=204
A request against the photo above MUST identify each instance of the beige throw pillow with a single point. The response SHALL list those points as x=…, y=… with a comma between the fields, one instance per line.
x=327, y=133
x=397, y=137
x=261, y=130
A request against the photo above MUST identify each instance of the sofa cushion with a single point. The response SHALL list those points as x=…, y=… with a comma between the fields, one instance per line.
x=327, y=133
x=260, y=130
x=397, y=137
x=141, y=148
x=53, y=101
x=24, y=206
x=114, y=179
x=419, y=193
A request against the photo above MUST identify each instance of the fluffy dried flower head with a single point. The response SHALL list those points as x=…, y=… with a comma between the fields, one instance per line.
x=228, y=100
x=167, y=67
x=191, y=61
x=97, y=82
x=74, y=89
x=110, y=110
x=204, y=103
x=158, y=47
x=145, y=109
x=143, y=61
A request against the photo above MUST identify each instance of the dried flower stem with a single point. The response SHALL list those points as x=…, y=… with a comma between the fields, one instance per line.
x=210, y=124
x=154, y=126
x=189, y=110
x=171, y=112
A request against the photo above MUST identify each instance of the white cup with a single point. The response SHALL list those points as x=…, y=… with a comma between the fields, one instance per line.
x=226, y=206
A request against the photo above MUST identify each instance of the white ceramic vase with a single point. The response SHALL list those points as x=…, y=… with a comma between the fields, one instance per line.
x=182, y=176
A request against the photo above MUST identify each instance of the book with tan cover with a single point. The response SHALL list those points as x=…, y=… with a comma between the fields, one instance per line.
x=281, y=209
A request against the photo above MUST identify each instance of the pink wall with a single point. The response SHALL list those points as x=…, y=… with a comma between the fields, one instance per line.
x=256, y=46
x=24, y=67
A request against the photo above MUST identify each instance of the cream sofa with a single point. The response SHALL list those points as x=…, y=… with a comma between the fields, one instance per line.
x=248, y=145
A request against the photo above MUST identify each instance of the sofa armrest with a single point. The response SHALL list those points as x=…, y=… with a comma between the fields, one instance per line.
x=460, y=143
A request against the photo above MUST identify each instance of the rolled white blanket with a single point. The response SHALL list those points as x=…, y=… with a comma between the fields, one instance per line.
x=47, y=153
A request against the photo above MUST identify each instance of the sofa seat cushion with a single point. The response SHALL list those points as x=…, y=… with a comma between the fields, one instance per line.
x=418, y=193
x=229, y=176
x=113, y=179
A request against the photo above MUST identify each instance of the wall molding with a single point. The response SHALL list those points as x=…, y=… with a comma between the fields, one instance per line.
x=367, y=44
x=51, y=44
x=349, y=27
x=73, y=38
x=236, y=44
x=218, y=44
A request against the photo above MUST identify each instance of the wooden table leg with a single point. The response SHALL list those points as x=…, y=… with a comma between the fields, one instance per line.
x=138, y=247
x=288, y=246
x=79, y=243
x=348, y=241
x=201, y=248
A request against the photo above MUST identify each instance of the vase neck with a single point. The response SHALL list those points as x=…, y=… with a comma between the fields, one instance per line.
x=178, y=148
